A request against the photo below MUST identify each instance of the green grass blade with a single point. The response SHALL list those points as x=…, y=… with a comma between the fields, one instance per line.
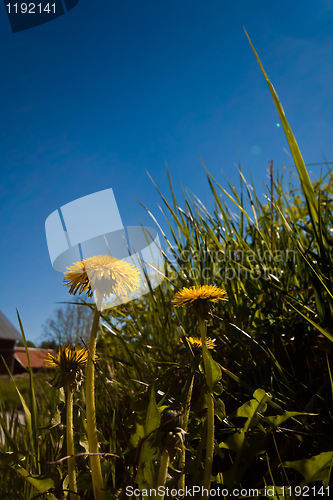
x=33, y=402
x=324, y=332
x=298, y=159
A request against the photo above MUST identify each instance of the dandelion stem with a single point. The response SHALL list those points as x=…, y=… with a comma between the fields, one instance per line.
x=70, y=443
x=162, y=474
x=95, y=463
x=210, y=415
x=181, y=482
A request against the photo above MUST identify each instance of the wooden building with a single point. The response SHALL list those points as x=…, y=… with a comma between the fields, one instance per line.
x=8, y=337
x=16, y=357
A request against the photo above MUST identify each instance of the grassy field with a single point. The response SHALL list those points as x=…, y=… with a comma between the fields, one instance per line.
x=8, y=394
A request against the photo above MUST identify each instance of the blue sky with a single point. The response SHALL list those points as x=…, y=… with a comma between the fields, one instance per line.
x=111, y=89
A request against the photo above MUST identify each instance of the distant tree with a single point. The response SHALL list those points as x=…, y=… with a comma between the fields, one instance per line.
x=68, y=324
x=49, y=344
x=21, y=344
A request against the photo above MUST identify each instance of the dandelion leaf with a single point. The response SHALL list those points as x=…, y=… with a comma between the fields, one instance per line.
x=149, y=452
x=317, y=468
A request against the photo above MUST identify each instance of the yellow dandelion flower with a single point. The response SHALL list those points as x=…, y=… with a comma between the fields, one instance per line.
x=187, y=296
x=196, y=343
x=199, y=297
x=69, y=358
x=69, y=361
x=105, y=274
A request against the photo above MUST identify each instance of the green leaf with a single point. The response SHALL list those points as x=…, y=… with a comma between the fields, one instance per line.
x=234, y=442
x=43, y=483
x=218, y=388
x=153, y=417
x=138, y=434
x=215, y=372
x=277, y=420
x=317, y=468
x=145, y=476
x=261, y=396
x=56, y=419
x=219, y=409
x=251, y=408
x=83, y=441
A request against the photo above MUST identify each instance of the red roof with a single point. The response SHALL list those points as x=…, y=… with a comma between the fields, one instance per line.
x=38, y=357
